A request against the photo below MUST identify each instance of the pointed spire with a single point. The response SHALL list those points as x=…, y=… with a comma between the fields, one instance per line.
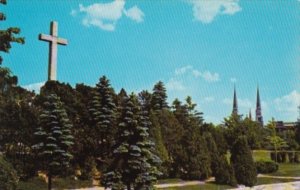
x=259, y=117
x=235, y=103
x=258, y=98
x=250, y=114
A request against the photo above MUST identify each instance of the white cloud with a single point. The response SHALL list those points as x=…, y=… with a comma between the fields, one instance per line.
x=207, y=75
x=209, y=99
x=197, y=73
x=106, y=15
x=233, y=80
x=288, y=104
x=135, y=14
x=34, y=87
x=206, y=10
x=183, y=70
x=174, y=85
x=210, y=77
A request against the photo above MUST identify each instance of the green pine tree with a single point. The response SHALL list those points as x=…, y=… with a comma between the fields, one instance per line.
x=159, y=97
x=242, y=162
x=134, y=161
x=54, y=137
x=103, y=110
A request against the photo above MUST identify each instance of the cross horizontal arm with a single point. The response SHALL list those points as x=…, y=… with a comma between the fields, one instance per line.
x=62, y=41
x=46, y=37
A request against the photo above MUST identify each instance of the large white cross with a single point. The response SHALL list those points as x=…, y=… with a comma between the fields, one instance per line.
x=53, y=40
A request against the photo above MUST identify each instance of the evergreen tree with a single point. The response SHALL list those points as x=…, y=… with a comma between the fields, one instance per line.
x=172, y=133
x=195, y=162
x=242, y=162
x=133, y=165
x=159, y=97
x=149, y=160
x=213, y=151
x=54, y=137
x=224, y=173
x=103, y=112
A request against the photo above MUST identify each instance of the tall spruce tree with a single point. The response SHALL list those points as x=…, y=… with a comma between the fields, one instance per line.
x=103, y=110
x=195, y=162
x=159, y=97
x=53, y=137
x=149, y=161
x=242, y=162
x=134, y=161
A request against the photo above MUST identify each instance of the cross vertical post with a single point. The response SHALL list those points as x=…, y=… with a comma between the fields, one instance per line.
x=53, y=40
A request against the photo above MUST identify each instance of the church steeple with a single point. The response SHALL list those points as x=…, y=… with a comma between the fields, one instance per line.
x=259, y=117
x=250, y=115
x=235, y=103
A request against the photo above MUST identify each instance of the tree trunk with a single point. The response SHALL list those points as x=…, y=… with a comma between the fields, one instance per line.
x=275, y=155
x=49, y=181
x=128, y=186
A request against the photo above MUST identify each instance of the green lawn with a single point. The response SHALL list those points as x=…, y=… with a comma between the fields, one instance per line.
x=261, y=155
x=266, y=180
x=59, y=184
x=288, y=170
x=292, y=170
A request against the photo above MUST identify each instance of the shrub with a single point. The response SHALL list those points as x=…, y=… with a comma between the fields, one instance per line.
x=242, y=162
x=224, y=173
x=265, y=167
x=8, y=176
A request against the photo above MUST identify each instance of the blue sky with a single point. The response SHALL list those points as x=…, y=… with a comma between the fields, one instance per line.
x=199, y=48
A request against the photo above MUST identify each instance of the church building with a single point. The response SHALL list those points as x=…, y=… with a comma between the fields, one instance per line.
x=258, y=111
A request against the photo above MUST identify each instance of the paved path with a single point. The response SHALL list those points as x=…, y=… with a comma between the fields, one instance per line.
x=276, y=186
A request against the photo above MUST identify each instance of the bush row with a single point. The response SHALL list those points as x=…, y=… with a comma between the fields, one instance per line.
x=286, y=156
x=265, y=167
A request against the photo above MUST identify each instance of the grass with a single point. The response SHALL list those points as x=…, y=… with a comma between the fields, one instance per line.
x=287, y=170
x=267, y=180
x=207, y=186
x=261, y=155
x=59, y=184
x=164, y=181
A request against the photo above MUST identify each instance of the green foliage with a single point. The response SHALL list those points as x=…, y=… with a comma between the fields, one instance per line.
x=242, y=162
x=134, y=163
x=88, y=170
x=8, y=176
x=275, y=141
x=159, y=97
x=265, y=167
x=155, y=133
x=224, y=173
x=237, y=126
x=195, y=160
x=103, y=114
x=54, y=137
